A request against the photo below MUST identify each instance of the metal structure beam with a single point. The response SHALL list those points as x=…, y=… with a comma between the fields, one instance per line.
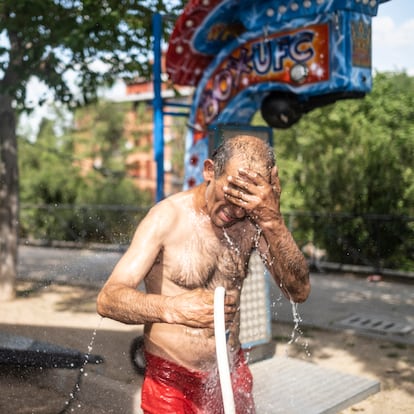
x=158, y=107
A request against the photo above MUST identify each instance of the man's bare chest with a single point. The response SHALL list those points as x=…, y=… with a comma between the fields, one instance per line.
x=204, y=259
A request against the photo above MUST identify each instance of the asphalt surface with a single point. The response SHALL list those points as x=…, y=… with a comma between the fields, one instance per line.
x=367, y=305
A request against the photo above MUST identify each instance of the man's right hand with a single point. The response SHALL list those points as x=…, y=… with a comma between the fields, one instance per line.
x=195, y=308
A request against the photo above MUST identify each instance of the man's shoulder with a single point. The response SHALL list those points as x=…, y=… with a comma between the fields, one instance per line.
x=172, y=207
x=167, y=217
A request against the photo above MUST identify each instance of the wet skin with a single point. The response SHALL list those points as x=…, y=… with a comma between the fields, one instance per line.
x=193, y=242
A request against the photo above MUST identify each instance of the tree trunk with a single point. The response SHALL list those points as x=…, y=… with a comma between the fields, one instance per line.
x=9, y=199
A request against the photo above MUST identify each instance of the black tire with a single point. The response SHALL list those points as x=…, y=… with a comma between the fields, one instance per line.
x=137, y=355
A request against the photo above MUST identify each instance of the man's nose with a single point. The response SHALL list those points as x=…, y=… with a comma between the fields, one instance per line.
x=238, y=212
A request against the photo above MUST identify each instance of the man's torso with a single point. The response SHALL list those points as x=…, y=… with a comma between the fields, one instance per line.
x=196, y=255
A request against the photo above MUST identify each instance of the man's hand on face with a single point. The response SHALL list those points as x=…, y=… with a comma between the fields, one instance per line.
x=259, y=197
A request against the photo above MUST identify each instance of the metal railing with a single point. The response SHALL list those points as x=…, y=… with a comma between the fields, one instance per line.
x=82, y=224
x=376, y=241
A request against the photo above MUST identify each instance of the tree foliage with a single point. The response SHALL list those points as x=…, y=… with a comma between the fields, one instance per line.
x=53, y=40
x=66, y=199
x=99, y=136
x=99, y=41
x=355, y=158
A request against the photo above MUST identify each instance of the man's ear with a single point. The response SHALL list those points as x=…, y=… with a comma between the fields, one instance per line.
x=274, y=174
x=208, y=170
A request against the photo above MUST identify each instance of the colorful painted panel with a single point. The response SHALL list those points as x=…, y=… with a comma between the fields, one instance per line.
x=247, y=55
x=261, y=61
x=207, y=26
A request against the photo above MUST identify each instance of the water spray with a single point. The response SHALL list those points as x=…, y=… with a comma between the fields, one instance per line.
x=221, y=351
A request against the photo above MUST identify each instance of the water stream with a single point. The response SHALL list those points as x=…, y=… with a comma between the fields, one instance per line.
x=297, y=332
x=82, y=373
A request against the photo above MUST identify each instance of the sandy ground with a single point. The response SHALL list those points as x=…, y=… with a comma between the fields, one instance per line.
x=65, y=315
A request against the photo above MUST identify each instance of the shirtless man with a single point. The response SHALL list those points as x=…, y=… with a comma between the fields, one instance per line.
x=185, y=247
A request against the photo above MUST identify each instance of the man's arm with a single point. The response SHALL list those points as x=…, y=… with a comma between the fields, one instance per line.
x=120, y=300
x=261, y=200
x=285, y=261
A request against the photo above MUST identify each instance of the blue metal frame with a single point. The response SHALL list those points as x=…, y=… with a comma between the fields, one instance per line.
x=158, y=110
x=158, y=105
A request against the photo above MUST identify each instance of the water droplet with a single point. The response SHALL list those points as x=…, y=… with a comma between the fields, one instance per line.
x=76, y=388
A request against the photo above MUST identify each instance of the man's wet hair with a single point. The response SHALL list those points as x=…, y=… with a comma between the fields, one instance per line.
x=257, y=152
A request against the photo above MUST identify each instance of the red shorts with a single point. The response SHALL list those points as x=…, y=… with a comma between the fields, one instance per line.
x=169, y=388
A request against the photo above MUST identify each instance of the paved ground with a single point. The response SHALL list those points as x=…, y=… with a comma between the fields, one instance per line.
x=382, y=308
x=66, y=316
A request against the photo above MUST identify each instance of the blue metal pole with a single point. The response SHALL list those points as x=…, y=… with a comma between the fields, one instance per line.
x=158, y=107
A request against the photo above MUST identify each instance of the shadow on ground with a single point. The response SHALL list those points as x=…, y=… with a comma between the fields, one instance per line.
x=391, y=363
x=29, y=390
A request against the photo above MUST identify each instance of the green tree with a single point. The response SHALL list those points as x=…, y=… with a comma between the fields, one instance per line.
x=50, y=39
x=355, y=157
x=48, y=176
x=99, y=136
x=108, y=209
x=66, y=199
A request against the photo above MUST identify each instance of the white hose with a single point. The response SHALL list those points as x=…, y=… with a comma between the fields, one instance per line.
x=221, y=351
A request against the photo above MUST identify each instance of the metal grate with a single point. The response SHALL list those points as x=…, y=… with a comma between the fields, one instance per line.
x=255, y=319
x=375, y=324
x=279, y=385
